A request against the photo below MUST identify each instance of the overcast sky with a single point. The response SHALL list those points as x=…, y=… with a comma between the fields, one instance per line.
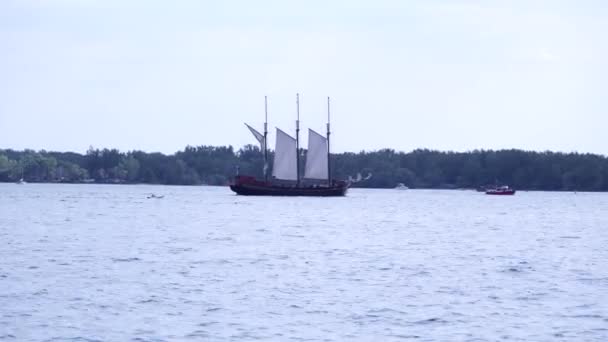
x=160, y=75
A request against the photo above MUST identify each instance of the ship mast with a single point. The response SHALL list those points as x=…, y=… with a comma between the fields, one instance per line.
x=328, y=150
x=266, y=138
x=298, y=139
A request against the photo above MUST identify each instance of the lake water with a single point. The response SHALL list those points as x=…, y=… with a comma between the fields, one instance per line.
x=103, y=262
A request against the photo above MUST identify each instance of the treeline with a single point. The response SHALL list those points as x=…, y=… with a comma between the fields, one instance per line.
x=215, y=165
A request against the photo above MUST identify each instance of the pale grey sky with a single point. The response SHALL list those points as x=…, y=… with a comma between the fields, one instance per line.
x=449, y=75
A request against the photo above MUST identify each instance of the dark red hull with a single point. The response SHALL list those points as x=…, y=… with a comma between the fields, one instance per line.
x=248, y=186
x=500, y=192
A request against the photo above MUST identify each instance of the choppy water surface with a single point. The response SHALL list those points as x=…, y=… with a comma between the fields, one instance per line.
x=92, y=262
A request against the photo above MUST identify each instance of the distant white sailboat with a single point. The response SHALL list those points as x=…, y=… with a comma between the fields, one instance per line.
x=21, y=180
x=401, y=186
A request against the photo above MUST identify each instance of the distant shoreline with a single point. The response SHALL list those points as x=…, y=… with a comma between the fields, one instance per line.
x=216, y=165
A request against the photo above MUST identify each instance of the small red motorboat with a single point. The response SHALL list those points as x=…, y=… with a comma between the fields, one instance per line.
x=501, y=190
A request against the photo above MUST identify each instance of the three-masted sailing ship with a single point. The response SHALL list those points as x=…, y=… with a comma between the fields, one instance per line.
x=286, y=179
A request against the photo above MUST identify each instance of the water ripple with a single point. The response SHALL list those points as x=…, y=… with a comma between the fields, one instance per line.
x=375, y=266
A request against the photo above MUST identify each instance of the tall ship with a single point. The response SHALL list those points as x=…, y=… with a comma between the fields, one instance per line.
x=286, y=178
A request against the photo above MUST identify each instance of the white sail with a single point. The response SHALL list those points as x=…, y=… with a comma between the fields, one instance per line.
x=285, y=154
x=316, y=157
x=258, y=136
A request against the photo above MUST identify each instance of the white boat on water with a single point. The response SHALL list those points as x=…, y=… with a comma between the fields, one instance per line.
x=401, y=186
x=21, y=181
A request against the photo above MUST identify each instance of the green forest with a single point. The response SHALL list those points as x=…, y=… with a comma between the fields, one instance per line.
x=525, y=170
